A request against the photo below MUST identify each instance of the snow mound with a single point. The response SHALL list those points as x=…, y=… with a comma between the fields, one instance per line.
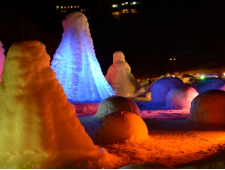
x=146, y=166
x=115, y=104
x=2, y=59
x=121, y=126
x=210, y=84
x=162, y=86
x=209, y=107
x=38, y=126
x=181, y=97
x=120, y=78
x=76, y=65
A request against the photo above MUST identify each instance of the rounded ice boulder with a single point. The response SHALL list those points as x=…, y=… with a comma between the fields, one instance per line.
x=115, y=104
x=121, y=126
x=162, y=86
x=181, y=97
x=209, y=107
x=210, y=84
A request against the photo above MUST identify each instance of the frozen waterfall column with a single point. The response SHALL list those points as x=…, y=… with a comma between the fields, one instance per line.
x=38, y=126
x=120, y=78
x=2, y=59
x=76, y=65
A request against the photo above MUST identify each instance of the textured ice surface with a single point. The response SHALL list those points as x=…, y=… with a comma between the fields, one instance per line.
x=2, y=59
x=38, y=126
x=120, y=78
x=115, y=104
x=76, y=65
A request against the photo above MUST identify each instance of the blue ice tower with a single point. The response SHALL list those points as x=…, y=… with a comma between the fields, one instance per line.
x=75, y=64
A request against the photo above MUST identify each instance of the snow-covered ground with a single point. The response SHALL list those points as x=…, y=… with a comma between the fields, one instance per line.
x=173, y=142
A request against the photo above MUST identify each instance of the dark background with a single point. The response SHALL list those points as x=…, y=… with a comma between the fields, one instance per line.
x=192, y=31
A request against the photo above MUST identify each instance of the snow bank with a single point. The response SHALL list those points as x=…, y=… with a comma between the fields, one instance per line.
x=76, y=65
x=121, y=126
x=162, y=86
x=38, y=126
x=120, y=78
x=209, y=107
x=210, y=84
x=2, y=59
x=115, y=104
x=181, y=97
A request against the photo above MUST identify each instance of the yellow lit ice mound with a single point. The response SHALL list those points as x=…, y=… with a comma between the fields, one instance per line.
x=161, y=87
x=181, y=97
x=115, y=104
x=209, y=107
x=121, y=126
x=38, y=128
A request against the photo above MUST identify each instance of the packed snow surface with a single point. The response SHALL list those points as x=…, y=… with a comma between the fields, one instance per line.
x=121, y=126
x=2, y=59
x=76, y=65
x=181, y=97
x=209, y=107
x=115, y=104
x=38, y=126
x=119, y=76
x=162, y=86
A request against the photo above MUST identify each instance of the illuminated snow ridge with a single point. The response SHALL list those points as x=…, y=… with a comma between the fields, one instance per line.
x=75, y=63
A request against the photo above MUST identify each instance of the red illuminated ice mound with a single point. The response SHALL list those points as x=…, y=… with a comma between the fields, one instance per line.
x=38, y=126
x=181, y=97
x=121, y=126
x=209, y=107
x=161, y=87
x=115, y=104
x=210, y=84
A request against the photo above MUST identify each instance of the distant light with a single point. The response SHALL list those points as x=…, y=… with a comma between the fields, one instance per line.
x=81, y=10
x=57, y=7
x=84, y=9
x=133, y=10
x=114, y=5
x=125, y=11
x=133, y=3
x=64, y=7
x=68, y=7
x=64, y=10
x=172, y=58
x=202, y=77
x=61, y=7
x=71, y=6
x=78, y=6
x=124, y=3
x=75, y=6
x=223, y=74
x=173, y=75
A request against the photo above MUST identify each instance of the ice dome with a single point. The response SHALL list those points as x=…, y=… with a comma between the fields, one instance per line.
x=120, y=78
x=76, y=65
x=181, y=97
x=209, y=107
x=2, y=59
x=115, y=104
x=209, y=84
x=38, y=125
x=162, y=86
x=121, y=126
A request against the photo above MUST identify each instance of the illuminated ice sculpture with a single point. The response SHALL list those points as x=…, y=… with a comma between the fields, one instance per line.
x=76, y=65
x=2, y=59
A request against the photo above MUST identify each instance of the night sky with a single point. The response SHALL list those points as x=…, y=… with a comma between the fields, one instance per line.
x=190, y=30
